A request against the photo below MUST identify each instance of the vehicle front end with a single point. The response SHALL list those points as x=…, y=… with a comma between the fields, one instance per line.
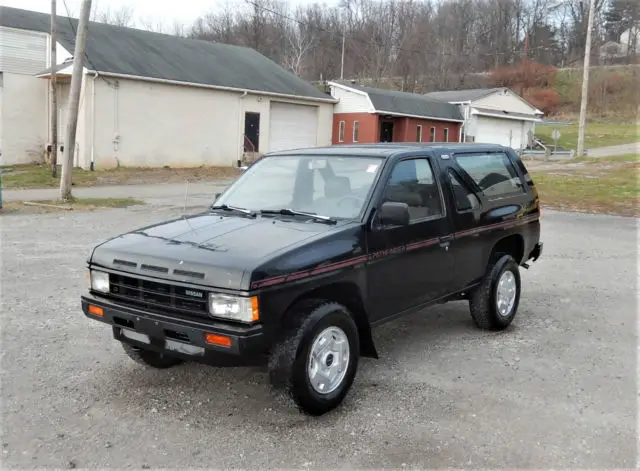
x=187, y=320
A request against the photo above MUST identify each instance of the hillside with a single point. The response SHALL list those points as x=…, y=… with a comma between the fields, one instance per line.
x=614, y=93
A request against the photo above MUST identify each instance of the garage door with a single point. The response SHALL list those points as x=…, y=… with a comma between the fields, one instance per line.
x=292, y=126
x=506, y=132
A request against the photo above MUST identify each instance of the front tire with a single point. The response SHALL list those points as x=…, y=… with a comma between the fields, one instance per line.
x=315, y=362
x=494, y=303
x=149, y=358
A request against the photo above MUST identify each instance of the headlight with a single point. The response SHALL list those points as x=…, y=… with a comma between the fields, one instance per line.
x=100, y=281
x=234, y=307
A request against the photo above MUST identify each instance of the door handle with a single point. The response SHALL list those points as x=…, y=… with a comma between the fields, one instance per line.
x=445, y=241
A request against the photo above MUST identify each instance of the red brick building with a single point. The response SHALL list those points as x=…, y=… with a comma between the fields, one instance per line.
x=367, y=115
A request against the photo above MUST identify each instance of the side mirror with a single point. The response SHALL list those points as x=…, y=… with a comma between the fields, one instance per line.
x=394, y=214
x=218, y=195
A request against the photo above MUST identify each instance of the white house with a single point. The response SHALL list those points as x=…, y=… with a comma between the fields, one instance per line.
x=494, y=115
x=151, y=99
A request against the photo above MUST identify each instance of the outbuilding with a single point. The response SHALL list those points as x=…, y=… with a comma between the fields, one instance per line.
x=369, y=115
x=494, y=116
x=151, y=99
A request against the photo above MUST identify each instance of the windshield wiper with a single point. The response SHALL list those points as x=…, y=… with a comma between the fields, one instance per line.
x=226, y=207
x=293, y=212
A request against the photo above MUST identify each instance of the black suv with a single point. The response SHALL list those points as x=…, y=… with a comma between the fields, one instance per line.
x=308, y=249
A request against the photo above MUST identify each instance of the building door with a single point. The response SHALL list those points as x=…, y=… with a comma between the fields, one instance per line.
x=292, y=126
x=251, y=132
x=386, y=131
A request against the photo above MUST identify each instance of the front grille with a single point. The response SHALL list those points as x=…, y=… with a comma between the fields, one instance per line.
x=158, y=296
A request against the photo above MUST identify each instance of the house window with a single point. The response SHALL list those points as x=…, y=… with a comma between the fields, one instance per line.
x=446, y=134
x=432, y=134
x=355, y=131
x=341, y=132
x=419, y=133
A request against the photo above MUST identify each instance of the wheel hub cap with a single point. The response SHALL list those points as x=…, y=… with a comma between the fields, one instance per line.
x=506, y=293
x=328, y=360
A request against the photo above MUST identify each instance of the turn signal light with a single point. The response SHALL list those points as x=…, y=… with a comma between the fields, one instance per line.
x=215, y=339
x=96, y=311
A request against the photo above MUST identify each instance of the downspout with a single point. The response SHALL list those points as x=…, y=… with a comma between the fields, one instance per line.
x=240, y=132
x=93, y=120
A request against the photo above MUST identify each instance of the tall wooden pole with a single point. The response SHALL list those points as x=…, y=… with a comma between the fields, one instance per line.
x=585, y=82
x=53, y=96
x=74, y=99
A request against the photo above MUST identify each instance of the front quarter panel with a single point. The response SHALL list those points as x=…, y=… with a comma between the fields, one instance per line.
x=337, y=258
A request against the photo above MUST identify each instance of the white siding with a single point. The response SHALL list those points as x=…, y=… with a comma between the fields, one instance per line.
x=150, y=124
x=506, y=132
x=22, y=52
x=350, y=102
x=508, y=102
x=23, y=118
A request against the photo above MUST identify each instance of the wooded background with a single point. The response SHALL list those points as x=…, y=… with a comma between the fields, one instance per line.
x=428, y=45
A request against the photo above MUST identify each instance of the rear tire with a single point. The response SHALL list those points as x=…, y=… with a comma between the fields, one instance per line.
x=150, y=358
x=315, y=362
x=494, y=303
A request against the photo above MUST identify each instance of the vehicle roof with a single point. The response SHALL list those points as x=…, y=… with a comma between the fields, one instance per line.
x=386, y=150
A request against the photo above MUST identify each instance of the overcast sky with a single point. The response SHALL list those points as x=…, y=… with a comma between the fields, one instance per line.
x=168, y=11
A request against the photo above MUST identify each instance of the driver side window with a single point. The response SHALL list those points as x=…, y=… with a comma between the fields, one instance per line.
x=412, y=182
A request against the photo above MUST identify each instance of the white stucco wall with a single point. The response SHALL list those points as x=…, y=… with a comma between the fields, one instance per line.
x=150, y=124
x=23, y=118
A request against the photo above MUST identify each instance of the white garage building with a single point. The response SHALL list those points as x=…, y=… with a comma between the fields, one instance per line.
x=494, y=116
x=151, y=99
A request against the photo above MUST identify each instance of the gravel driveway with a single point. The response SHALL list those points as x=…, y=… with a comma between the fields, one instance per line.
x=558, y=389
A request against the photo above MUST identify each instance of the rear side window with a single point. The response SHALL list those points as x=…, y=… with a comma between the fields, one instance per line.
x=493, y=172
x=465, y=199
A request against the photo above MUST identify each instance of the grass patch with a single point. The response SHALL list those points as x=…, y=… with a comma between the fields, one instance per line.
x=610, y=188
x=78, y=204
x=19, y=177
x=597, y=134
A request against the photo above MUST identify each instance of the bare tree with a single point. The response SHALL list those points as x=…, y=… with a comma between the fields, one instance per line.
x=123, y=16
x=300, y=39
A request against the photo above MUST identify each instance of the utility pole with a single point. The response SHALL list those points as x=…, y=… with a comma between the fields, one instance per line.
x=54, y=96
x=342, y=63
x=74, y=99
x=585, y=82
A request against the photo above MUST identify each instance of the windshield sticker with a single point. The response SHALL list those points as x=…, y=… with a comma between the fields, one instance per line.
x=372, y=168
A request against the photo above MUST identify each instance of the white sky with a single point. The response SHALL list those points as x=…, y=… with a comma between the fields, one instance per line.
x=167, y=11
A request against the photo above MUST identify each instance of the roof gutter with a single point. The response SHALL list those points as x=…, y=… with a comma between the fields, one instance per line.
x=435, y=118
x=218, y=87
x=503, y=116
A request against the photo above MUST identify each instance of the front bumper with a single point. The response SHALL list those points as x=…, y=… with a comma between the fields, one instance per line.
x=178, y=337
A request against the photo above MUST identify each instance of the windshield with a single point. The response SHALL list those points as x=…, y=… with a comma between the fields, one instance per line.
x=331, y=186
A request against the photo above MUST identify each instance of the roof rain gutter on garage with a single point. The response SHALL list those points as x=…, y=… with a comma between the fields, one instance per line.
x=216, y=87
x=403, y=115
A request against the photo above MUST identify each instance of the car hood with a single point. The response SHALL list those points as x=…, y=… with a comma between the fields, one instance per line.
x=207, y=249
